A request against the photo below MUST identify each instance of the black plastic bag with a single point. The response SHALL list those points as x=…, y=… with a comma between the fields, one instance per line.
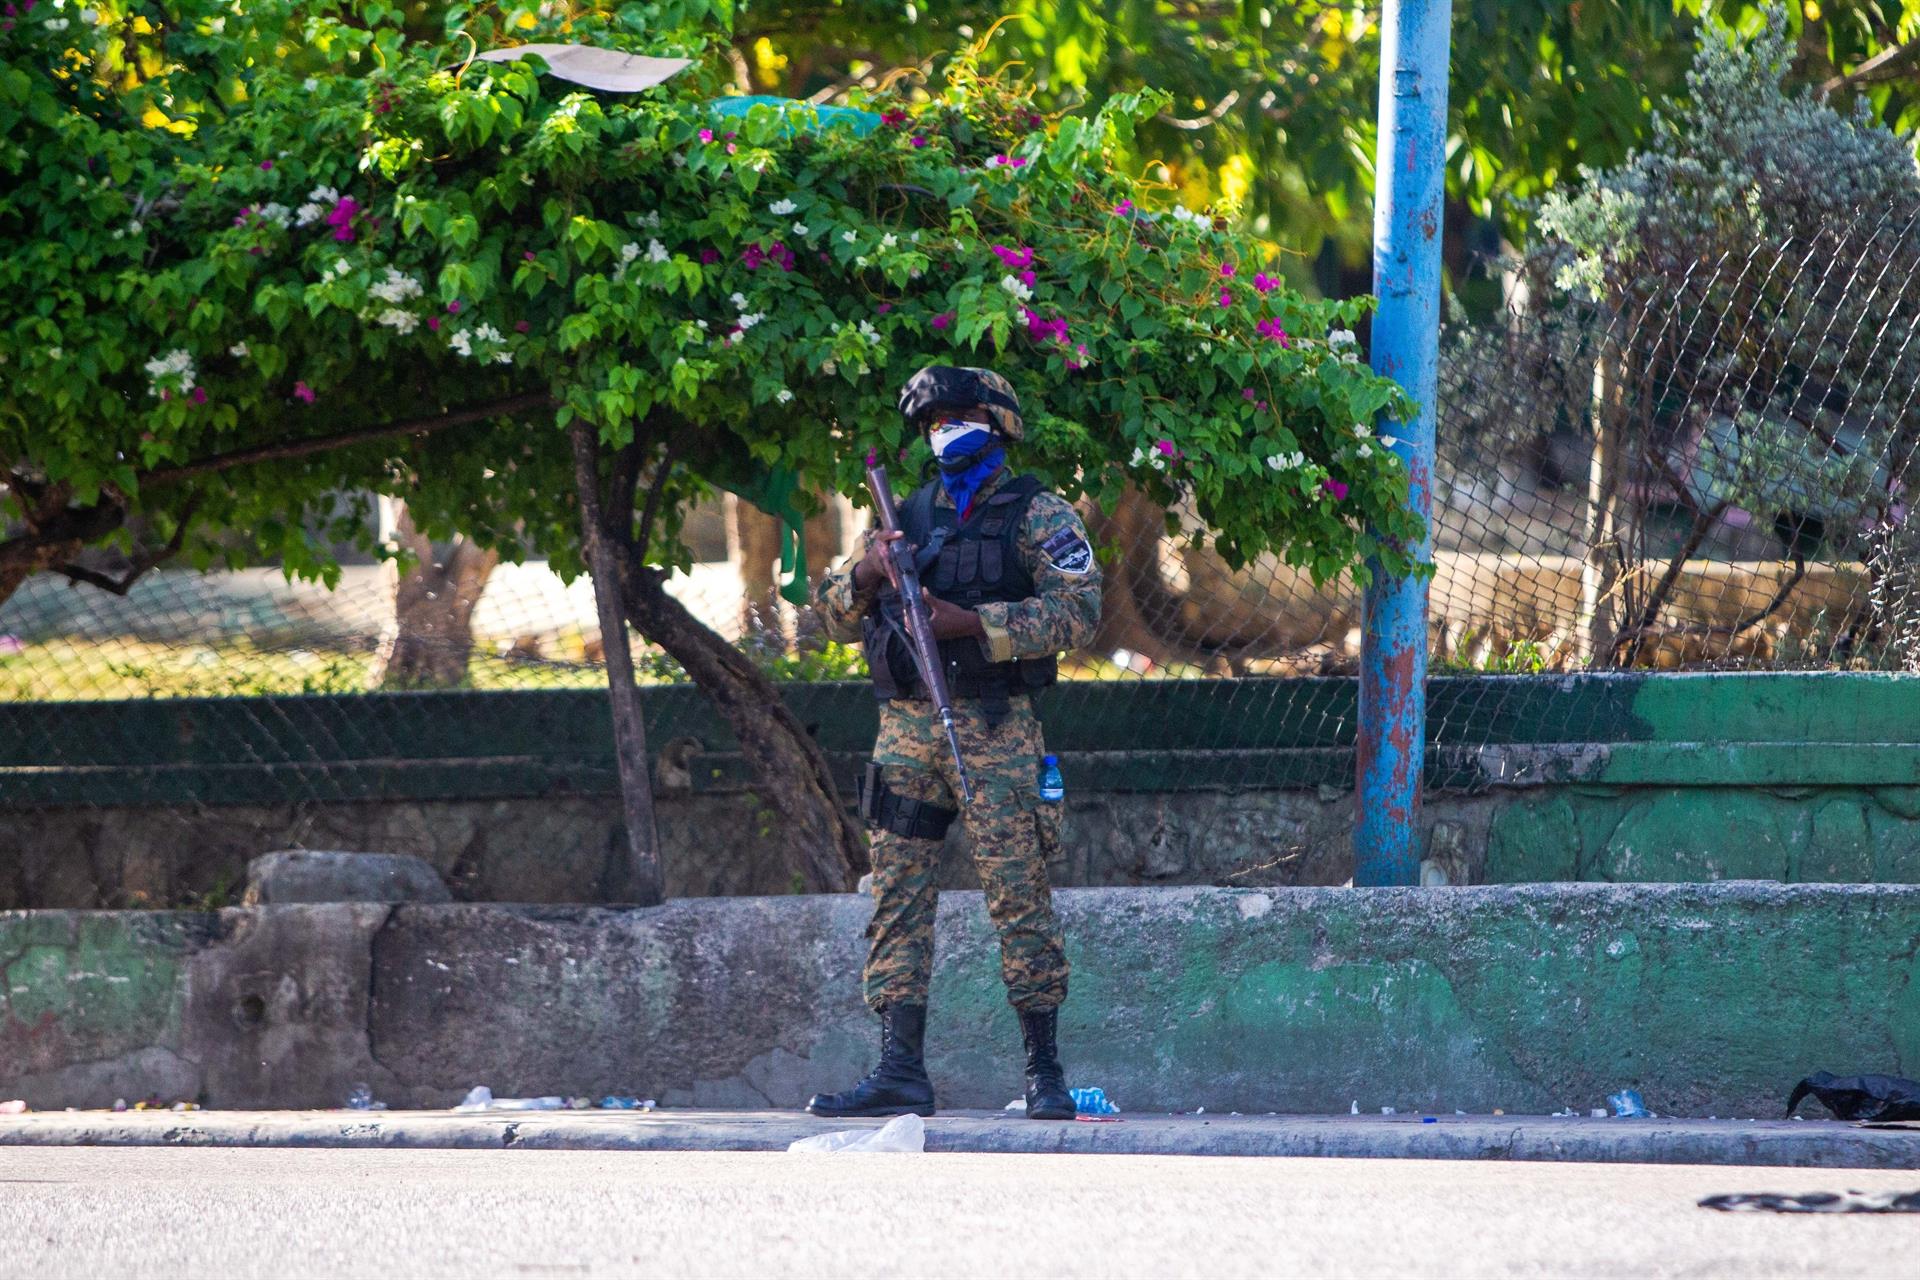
x=1861, y=1097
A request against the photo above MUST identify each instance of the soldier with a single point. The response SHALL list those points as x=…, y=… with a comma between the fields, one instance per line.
x=1011, y=581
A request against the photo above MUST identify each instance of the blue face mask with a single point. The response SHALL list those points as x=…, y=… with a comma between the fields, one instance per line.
x=968, y=456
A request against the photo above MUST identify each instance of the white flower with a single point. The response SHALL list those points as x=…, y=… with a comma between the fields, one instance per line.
x=1360, y=430
x=1366, y=450
x=60, y=24
x=889, y=240
x=238, y=351
x=341, y=266
x=324, y=195
x=56, y=353
x=461, y=341
x=503, y=357
x=1389, y=441
x=701, y=323
x=395, y=318
x=91, y=16
x=829, y=368
x=308, y=214
x=739, y=301
x=850, y=237
x=397, y=288
x=310, y=84
x=487, y=333
x=870, y=333
x=172, y=372
x=783, y=395
x=275, y=212
x=781, y=208
x=1012, y=285
x=648, y=221
x=993, y=162
x=748, y=321
x=860, y=261
x=1286, y=461
x=656, y=252
x=1342, y=338
x=628, y=252
x=801, y=229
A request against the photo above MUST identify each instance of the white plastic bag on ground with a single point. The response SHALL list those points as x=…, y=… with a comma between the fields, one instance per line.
x=902, y=1133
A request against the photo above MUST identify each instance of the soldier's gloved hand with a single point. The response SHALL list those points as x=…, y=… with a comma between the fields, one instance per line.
x=877, y=563
x=951, y=622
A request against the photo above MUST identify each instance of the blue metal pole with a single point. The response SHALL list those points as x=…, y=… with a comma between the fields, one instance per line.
x=1409, y=185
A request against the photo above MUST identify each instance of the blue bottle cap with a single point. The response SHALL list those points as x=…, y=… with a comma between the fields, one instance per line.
x=1050, y=759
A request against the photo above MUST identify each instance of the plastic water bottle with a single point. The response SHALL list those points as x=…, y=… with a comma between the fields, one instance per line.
x=1052, y=789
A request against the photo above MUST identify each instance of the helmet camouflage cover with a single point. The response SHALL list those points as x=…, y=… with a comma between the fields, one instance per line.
x=945, y=386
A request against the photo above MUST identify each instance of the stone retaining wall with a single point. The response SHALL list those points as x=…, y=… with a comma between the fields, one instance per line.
x=1710, y=999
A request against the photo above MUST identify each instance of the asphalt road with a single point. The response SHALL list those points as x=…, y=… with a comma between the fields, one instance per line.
x=151, y=1212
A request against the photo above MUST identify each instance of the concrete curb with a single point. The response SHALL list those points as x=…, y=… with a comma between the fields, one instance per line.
x=1802, y=1144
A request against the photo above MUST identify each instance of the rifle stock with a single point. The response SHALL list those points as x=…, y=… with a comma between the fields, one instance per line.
x=920, y=638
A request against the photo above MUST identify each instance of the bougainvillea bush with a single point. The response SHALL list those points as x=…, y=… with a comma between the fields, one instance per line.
x=252, y=261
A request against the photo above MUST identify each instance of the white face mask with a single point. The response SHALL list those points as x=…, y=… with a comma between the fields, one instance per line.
x=957, y=439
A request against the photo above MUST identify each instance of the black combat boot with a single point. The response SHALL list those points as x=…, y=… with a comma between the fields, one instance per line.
x=899, y=1084
x=1047, y=1096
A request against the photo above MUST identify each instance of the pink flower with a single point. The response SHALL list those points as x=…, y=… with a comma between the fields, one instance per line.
x=706, y=135
x=165, y=394
x=1272, y=328
x=1247, y=393
x=199, y=395
x=1123, y=209
x=919, y=141
x=754, y=257
x=240, y=219
x=1021, y=257
x=433, y=324
x=943, y=320
x=732, y=147
x=781, y=255
x=883, y=308
x=527, y=256
x=1335, y=488
x=1226, y=268
x=1165, y=447
x=453, y=308
x=1226, y=298
x=521, y=326
x=1264, y=283
x=301, y=391
x=1016, y=162
x=894, y=118
x=266, y=166
x=709, y=256
x=1027, y=278
x=341, y=219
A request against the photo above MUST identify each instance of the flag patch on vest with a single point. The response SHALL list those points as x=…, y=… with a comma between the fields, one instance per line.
x=1068, y=552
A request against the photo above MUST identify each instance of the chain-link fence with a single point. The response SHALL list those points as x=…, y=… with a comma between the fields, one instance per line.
x=1706, y=471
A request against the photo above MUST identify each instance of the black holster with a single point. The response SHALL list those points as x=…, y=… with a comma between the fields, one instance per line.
x=885, y=811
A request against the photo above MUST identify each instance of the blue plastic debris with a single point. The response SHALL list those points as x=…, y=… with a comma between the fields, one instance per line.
x=1628, y=1106
x=1093, y=1102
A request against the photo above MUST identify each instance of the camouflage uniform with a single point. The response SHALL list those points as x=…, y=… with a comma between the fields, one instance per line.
x=1012, y=832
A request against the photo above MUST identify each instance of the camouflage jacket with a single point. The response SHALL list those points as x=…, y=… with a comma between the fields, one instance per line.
x=1061, y=614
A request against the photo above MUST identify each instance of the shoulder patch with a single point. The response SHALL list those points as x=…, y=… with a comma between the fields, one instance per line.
x=1068, y=552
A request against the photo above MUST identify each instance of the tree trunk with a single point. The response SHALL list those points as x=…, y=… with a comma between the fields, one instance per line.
x=433, y=606
x=791, y=767
x=1609, y=535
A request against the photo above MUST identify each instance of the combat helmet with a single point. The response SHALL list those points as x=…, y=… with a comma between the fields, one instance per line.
x=945, y=386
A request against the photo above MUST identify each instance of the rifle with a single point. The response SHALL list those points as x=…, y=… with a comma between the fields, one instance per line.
x=920, y=641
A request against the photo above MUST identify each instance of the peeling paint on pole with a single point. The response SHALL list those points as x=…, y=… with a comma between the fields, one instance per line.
x=1409, y=185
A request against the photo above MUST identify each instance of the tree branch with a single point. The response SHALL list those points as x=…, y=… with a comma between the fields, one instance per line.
x=1885, y=65
x=645, y=536
x=1210, y=117
x=345, y=439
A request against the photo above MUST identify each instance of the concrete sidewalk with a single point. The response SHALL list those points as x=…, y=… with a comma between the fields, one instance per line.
x=1798, y=1143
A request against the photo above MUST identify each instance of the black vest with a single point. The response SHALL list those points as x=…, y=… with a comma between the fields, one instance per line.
x=969, y=565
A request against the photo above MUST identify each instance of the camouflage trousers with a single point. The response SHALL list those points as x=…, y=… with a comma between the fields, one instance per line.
x=1013, y=835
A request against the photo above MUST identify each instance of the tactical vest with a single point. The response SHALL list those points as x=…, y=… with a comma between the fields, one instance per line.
x=968, y=565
